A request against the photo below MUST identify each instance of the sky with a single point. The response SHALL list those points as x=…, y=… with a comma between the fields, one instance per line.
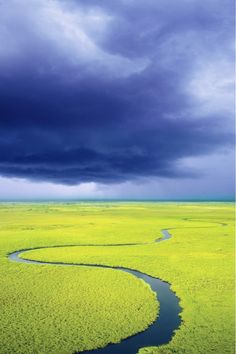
x=116, y=99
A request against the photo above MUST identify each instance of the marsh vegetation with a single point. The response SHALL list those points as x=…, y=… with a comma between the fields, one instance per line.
x=55, y=310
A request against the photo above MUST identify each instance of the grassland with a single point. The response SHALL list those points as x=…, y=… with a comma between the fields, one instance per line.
x=47, y=309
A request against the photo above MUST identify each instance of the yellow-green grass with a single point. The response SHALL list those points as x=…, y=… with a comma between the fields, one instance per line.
x=50, y=309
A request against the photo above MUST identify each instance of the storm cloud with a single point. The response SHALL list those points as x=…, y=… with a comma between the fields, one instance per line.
x=110, y=91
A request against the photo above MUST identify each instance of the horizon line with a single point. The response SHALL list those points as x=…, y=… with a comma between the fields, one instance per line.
x=101, y=200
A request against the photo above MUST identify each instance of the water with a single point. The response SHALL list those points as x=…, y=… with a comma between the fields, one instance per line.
x=160, y=331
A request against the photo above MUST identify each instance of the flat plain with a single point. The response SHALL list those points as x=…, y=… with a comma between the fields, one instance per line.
x=57, y=310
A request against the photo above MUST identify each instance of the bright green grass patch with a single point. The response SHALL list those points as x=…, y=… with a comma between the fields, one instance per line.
x=59, y=310
x=44, y=308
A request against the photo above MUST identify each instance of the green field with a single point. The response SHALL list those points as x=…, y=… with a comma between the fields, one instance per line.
x=52, y=309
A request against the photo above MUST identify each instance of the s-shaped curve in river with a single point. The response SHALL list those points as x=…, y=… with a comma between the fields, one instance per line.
x=161, y=330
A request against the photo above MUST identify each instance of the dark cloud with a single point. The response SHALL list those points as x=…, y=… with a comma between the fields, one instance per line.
x=101, y=91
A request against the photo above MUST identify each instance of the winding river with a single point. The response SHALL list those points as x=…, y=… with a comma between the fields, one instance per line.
x=160, y=331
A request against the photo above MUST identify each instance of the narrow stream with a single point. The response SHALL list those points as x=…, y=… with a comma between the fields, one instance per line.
x=159, y=332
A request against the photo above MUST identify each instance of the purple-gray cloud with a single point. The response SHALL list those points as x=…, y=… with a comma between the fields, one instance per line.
x=107, y=92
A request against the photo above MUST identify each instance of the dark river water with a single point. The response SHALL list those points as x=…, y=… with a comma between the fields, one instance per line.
x=159, y=332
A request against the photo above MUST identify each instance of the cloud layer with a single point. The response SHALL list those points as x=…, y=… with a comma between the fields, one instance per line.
x=108, y=92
